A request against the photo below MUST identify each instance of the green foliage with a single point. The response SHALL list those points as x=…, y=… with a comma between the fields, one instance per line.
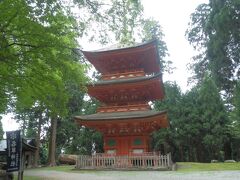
x=43, y=154
x=1, y=129
x=235, y=114
x=112, y=20
x=81, y=142
x=198, y=122
x=219, y=47
x=129, y=15
x=41, y=74
x=151, y=29
x=213, y=117
x=36, y=55
x=171, y=103
x=72, y=139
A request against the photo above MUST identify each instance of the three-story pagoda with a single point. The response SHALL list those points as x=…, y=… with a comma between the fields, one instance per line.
x=130, y=79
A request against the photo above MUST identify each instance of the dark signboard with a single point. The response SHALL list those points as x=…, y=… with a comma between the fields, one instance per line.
x=13, y=150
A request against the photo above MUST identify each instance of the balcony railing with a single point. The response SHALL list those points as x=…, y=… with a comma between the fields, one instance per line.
x=123, y=75
x=137, y=107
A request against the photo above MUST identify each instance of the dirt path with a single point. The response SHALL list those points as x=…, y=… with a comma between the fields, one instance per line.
x=133, y=175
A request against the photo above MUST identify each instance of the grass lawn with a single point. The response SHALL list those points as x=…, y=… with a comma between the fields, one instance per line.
x=29, y=178
x=190, y=166
x=64, y=168
x=182, y=167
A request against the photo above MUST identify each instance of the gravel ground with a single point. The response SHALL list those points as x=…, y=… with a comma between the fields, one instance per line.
x=134, y=175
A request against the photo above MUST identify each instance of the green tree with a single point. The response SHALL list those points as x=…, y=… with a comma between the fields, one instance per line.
x=170, y=103
x=129, y=17
x=151, y=29
x=219, y=47
x=235, y=115
x=234, y=129
x=1, y=129
x=36, y=55
x=37, y=58
x=32, y=121
x=71, y=138
x=198, y=122
x=213, y=117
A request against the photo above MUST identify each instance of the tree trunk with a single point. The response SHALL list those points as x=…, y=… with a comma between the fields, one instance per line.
x=36, y=159
x=190, y=158
x=181, y=153
x=52, y=143
x=199, y=152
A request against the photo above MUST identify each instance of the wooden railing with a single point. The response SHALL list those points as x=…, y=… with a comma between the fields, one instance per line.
x=124, y=162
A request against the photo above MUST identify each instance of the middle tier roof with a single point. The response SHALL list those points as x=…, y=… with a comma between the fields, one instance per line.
x=137, y=89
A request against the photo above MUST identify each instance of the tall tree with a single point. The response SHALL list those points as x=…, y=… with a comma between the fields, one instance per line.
x=32, y=121
x=219, y=47
x=213, y=117
x=37, y=57
x=151, y=29
x=234, y=129
x=1, y=129
x=198, y=122
x=235, y=115
x=170, y=103
x=71, y=138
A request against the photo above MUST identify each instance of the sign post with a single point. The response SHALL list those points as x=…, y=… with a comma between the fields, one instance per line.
x=14, y=152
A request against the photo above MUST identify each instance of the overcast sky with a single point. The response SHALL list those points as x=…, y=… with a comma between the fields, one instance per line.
x=173, y=16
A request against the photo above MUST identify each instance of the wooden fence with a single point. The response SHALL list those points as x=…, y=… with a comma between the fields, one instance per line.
x=103, y=161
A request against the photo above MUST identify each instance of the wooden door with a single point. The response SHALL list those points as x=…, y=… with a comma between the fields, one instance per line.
x=124, y=146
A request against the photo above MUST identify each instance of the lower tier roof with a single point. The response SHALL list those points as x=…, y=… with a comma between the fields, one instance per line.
x=125, y=123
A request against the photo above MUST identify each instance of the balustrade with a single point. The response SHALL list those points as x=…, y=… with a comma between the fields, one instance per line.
x=141, y=161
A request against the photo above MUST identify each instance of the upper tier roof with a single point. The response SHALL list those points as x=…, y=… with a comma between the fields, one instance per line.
x=142, y=56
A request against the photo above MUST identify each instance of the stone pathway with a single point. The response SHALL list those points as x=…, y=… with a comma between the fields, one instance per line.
x=133, y=175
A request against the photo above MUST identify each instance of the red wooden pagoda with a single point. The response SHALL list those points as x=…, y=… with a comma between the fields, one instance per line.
x=130, y=79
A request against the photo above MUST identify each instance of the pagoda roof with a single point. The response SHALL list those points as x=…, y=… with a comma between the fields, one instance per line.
x=129, y=122
x=141, y=56
x=126, y=80
x=144, y=88
x=120, y=115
